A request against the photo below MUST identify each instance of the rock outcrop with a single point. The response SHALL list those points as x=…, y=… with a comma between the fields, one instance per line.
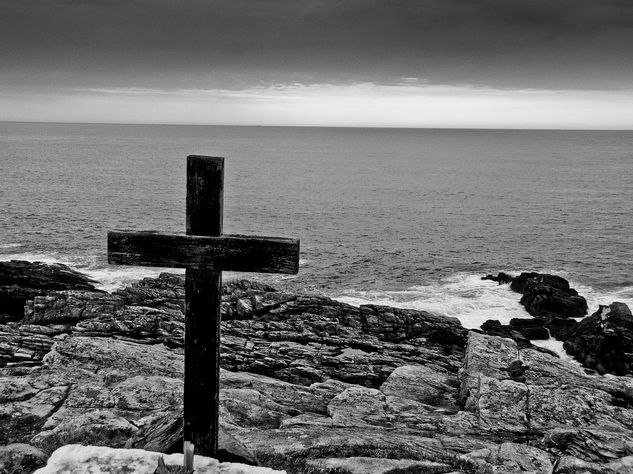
x=308, y=384
x=549, y=299
x=604, y=340
x=21, y=281
x=493, y=327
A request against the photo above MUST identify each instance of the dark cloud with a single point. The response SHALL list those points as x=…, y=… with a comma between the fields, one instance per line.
x=236, y=43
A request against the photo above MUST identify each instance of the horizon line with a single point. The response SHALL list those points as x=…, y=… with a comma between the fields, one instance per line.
x=381, y=127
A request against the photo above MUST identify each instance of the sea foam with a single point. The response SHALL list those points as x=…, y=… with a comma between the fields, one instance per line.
x=107, y=277
x=463, y=295
x=473, y=300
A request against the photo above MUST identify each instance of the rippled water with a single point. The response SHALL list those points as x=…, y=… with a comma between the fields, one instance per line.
x=407, y=217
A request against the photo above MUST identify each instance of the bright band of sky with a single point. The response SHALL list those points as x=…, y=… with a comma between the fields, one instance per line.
x=369, y=105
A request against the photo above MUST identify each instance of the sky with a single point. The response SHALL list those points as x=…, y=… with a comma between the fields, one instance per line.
x=384, y=63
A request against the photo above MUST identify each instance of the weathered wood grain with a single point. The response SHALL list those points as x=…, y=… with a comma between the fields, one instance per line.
x=205, y=195
x=203, y=293
x=237, y=253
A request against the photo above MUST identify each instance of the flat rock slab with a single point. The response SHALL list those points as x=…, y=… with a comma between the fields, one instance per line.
x=77, y=459
x=423, y=384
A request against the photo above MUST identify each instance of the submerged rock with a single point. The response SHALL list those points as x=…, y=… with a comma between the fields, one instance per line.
x=501, y=278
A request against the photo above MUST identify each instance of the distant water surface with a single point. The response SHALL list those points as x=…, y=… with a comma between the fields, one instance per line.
x=396, y=216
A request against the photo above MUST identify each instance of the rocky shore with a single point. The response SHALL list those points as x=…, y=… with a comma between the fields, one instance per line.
x=310, y=384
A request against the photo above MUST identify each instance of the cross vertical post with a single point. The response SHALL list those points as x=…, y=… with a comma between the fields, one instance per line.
x=204, y=252
x=203, y=290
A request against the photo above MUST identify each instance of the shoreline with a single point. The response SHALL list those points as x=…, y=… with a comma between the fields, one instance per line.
x=460, y=294
x=388, y=385
x=508, y=320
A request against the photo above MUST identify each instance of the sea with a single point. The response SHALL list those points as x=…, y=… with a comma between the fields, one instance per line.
x=411, y=218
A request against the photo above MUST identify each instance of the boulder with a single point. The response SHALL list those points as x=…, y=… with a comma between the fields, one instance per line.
x=492, y=327
x=545, y=300
x=604, y=340
x=519, y=283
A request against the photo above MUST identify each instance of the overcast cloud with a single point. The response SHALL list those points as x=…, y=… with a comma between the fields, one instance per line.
x=240, y=43
x=52, y=46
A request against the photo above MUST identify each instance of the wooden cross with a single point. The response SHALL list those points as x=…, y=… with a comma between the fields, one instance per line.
x=205, y=253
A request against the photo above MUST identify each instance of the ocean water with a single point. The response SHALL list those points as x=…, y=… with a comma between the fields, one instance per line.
x=409, y=218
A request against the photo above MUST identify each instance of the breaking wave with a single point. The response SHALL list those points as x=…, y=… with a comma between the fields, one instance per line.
x=472, y=300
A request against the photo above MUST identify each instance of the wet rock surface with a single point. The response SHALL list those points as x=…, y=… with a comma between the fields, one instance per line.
x=549, y=299
x=604, y=340
x=308, y=385
x=501, y=278
x=548, y=296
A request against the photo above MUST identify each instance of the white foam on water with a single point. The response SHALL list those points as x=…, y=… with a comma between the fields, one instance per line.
x=473, y=300
x=31, y=257
x=108, y=278
x=556, y=346
x=464, y=296
x=116, y=277
x=595, y=297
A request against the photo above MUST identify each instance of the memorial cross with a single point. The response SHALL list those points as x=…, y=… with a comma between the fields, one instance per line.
x=204, y=252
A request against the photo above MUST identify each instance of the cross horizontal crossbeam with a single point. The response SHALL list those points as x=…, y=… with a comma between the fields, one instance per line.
x=238, y=253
